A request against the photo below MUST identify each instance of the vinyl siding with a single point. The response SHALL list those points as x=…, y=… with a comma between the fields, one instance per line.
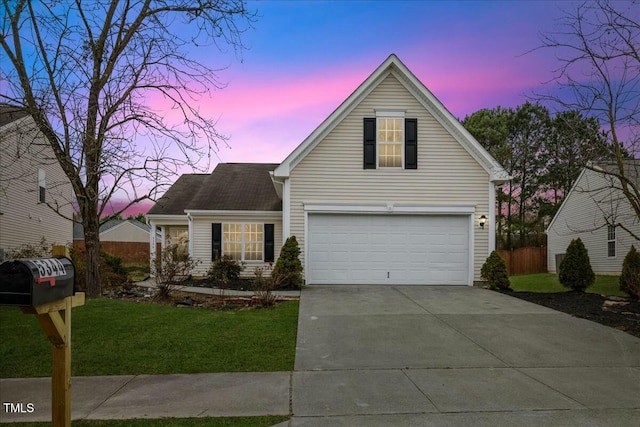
x=202, y=238
x=125, y=232
x=447, y=175
x=583, y=215
x=23, y=219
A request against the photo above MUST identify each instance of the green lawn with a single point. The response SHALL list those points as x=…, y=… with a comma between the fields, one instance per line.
x=171, y=422
x=548, y=282
x=111, y=337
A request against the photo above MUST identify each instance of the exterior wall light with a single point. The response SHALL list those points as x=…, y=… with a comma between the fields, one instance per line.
x=483, y=221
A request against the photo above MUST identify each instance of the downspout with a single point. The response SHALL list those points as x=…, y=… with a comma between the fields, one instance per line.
x=286, y=210
x=152, y=248
x=492, y=217
x=190, y=225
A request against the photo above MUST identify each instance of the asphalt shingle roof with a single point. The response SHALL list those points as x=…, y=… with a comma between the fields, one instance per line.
x=179, y=195
x=231, y=186
x=9, y=113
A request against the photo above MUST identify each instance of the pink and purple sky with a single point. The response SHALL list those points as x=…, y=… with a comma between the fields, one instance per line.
x=305, y=57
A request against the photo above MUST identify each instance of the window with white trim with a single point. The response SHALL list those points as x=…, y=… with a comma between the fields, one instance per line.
x=243, y=242
x=42, y=186
x=178, y=237
x=611, y=241
x=390, y=142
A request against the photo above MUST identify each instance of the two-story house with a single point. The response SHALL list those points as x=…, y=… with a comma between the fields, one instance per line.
x=32, y=186
x=389, y=189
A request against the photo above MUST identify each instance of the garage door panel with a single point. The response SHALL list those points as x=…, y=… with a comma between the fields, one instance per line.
x=394, y=249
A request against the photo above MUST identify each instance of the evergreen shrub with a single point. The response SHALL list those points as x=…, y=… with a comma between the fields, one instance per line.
x=287, y=272
x=575, y=269
x=630, y=277
x=494, y=271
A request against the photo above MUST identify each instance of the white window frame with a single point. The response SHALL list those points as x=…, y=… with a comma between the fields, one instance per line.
x=42, y=186
x=389, y=114
x=243, y=241
x=172, y=236
x=611, y=238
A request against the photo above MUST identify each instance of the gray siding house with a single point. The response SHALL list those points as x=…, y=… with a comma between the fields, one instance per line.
x=389, y=189
x=596, y=211
x=32, y=185
x=118, y=230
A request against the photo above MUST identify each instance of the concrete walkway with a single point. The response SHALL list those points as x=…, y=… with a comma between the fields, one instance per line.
x=150, y=283
x=456, y=356
x=155, y=396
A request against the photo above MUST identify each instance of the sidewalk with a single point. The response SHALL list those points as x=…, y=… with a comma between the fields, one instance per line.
x=155, y=396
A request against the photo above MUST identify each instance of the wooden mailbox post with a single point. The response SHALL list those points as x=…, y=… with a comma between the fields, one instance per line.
x=55, y=319
x=46, y=287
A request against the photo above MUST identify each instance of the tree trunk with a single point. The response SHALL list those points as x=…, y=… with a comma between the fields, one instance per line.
x=92, y=252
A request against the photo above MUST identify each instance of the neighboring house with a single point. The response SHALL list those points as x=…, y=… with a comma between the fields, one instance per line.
x=596, y=211
x=118, y=230
x=125, y=238
x=389, y=189
x=32, y=186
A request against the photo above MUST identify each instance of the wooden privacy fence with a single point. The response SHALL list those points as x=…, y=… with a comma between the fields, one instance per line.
x=528, y=260
x=128, y=251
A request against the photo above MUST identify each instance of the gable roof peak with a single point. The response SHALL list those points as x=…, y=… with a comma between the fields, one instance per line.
x=393, y=65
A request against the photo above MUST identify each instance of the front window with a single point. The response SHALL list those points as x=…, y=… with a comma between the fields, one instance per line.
x=390, y=142
x=611, y=240
x=243, y=242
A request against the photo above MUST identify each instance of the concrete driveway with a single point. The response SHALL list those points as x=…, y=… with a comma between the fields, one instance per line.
x=456, y=356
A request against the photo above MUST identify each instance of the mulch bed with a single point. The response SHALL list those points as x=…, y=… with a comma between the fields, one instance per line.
x=192, y=300
x=616, y=312
x=242, y=284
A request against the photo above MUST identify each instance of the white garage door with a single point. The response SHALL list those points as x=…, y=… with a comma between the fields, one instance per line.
x=388, y=249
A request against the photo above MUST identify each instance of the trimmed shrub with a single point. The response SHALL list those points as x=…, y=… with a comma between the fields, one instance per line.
x=494, y=271
x=225, y=269
x=630, y=277
x=575, y=270
x=288, y=270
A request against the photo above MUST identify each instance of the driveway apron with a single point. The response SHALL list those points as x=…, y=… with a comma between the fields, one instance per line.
x=456, y=356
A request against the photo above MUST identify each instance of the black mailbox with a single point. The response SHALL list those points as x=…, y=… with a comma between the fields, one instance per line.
x=36, y=281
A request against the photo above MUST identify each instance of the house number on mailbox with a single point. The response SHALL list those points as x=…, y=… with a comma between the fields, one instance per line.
x=49, y=267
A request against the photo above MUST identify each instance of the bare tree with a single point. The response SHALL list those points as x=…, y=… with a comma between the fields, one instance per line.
x=598, y=46
x=85, y=71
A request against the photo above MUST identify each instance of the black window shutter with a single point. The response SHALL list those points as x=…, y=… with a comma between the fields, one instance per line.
x=216, y=241
x=369, y=143
x=269, y=243
x=411, y=143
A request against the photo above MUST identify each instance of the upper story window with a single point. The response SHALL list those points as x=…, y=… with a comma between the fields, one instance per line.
x=42, y=186
x=611, y=240
x=390, y=142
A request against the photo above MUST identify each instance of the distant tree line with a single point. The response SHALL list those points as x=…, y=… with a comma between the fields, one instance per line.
x=544, y=153
x=140, y=217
